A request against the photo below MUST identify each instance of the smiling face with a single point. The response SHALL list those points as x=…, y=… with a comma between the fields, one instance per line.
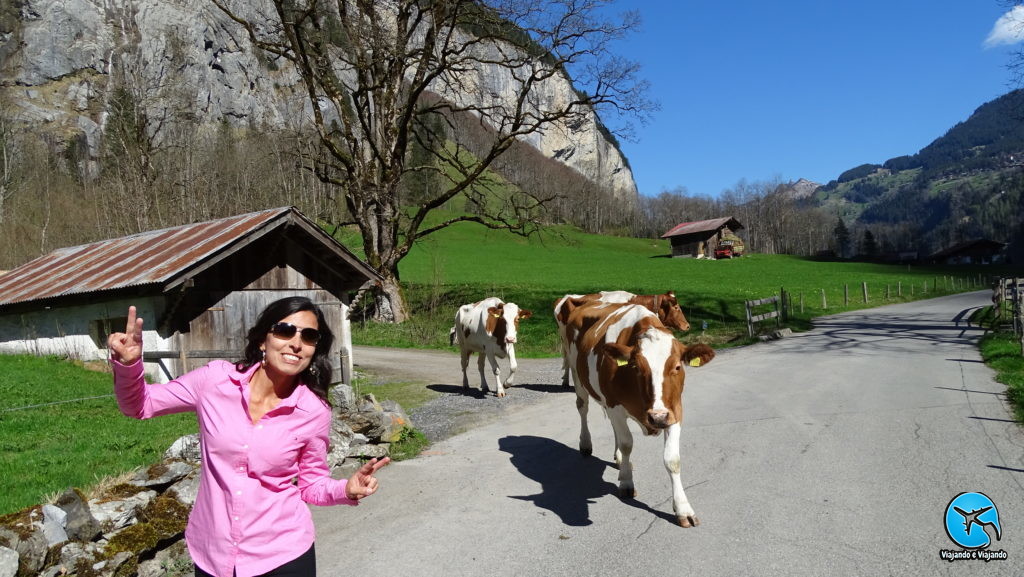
x=288, y=357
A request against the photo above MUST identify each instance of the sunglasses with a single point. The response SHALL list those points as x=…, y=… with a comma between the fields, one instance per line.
x=286, y=331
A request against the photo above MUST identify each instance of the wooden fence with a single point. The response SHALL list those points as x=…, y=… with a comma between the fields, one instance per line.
x=756, y=318
x=1007, y=298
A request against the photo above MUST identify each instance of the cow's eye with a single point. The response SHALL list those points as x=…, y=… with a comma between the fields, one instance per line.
x=678, y=367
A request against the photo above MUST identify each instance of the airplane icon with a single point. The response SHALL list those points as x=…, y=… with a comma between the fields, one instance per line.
x=972, y=519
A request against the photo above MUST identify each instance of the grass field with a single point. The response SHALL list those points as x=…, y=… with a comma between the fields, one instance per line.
x=60, y=427
x=466, y=263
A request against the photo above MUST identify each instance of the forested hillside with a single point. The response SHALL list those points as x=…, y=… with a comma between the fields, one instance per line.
x=965, y=185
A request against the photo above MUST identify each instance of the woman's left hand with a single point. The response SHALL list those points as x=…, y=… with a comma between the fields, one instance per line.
x=362, y=483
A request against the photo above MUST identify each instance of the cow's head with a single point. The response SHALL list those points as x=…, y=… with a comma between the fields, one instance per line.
x=671, y=314
x=503, y=322
x=651, y=375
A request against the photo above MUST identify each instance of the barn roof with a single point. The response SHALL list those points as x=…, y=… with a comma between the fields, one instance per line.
x=978, y=245
x=160, y=261
x=703, y=226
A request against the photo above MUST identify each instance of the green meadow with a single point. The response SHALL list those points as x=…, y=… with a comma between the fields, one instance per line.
x=466, y=263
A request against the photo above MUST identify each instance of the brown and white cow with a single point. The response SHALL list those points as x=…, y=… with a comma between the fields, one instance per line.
x=629, y=362
x=665, y=306
x=490, y=328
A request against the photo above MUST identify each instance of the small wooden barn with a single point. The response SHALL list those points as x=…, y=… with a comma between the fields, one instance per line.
x=199, y=288
x=699, y=239
x=977, y=251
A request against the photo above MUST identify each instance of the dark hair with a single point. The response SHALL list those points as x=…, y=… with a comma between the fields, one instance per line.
x=317, y=375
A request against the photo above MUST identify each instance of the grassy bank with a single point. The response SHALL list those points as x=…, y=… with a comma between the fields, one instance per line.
x=1002, y=351
x=60, y=427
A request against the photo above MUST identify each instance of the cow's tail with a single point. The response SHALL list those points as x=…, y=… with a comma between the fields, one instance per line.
x=451, y=337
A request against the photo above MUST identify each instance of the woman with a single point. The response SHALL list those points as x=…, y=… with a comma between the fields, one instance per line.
x=263, y=427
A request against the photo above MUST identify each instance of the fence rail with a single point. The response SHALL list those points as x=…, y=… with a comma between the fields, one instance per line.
x=1007, y=297
x=761, y=317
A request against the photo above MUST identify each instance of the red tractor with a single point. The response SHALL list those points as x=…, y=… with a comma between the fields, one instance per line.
x=728, y=249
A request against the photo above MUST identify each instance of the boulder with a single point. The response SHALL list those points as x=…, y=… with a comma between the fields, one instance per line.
x=54, y=519
x=80, y=524
x=186, y=449
x=8, y=562
x=115, y=514
x=29, y=543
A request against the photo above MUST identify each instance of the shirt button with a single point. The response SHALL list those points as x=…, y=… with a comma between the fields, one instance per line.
x=236, y=518
x=259, y=426
x=245, y=446
x=238, y=492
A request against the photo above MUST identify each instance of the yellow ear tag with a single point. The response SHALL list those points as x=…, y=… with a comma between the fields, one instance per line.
x=497, y=316
x=695, y=362
x=621, y=362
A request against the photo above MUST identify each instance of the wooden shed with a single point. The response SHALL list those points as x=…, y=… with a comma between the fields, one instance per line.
x=699, y=239
x=199, y=288
x=977, y=251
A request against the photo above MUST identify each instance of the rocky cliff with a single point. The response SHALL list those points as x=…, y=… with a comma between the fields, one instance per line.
x=62, y=60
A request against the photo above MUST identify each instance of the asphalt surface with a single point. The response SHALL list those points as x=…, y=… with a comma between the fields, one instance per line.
x=832, y=452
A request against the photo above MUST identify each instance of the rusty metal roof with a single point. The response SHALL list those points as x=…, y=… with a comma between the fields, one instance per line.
x=161, y=257
x=703, y=226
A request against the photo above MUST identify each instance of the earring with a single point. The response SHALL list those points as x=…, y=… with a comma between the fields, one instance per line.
x=263, y=359
x=313, y=370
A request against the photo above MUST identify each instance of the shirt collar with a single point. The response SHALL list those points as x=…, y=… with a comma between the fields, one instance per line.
x=241, y=378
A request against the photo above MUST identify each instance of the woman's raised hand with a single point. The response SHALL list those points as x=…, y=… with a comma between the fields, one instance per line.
x=126, y=347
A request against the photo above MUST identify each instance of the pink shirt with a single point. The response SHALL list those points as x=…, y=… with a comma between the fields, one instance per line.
x=249, y=515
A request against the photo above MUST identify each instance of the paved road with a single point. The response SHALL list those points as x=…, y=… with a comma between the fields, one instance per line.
x=834, y=452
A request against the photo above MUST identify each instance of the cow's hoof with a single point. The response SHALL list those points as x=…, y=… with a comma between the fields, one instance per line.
x=501, y=394
x=627, y=492
x=688, y=521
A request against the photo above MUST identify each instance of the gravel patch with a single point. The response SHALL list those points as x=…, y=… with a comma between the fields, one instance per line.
x=458, y=409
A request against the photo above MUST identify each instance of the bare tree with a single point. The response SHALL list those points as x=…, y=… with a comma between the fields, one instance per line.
x=371, y=70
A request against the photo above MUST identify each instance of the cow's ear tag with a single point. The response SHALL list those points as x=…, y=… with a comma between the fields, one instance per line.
x=621, y=362
x=496, y=315
x=695, y=362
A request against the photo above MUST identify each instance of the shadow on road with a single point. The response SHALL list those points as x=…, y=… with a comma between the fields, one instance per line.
x=476, y=393
x=569, y=482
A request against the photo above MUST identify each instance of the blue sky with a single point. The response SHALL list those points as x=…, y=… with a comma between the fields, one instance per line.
x=805, y=88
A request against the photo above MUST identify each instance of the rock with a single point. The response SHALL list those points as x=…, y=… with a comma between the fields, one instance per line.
x=341, y=437
x=173, y=561
x=73, y=551
x=368, y=404
x=120, y=513
x=186, y=490
x=29, y=544
x=370, y=451
x=80, y=524
x=8, y=562
x=163, y=474
x=54, y=519
x=342, y=398
x=186, y=449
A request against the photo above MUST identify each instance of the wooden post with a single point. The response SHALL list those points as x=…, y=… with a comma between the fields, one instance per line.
x=824, y=301
x=801, y=303
x=887, y=295
x=864, y=287
x=899, y=289
x=846, y=295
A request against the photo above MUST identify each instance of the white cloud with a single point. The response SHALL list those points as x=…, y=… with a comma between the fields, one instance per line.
x=1009, y=29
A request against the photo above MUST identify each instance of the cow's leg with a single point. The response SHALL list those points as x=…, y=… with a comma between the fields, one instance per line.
x=480, y=365
x=465, y=364
x=564, y=349
x=680, y=504
x=497, y=375
x=623, y=449
x=512, y=365
x=583, y=406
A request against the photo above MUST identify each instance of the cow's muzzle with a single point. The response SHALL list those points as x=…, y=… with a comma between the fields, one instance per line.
x=659, y=418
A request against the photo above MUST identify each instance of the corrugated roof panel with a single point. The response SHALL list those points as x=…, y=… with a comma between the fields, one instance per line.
x=698, y=226
x=139, y=259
